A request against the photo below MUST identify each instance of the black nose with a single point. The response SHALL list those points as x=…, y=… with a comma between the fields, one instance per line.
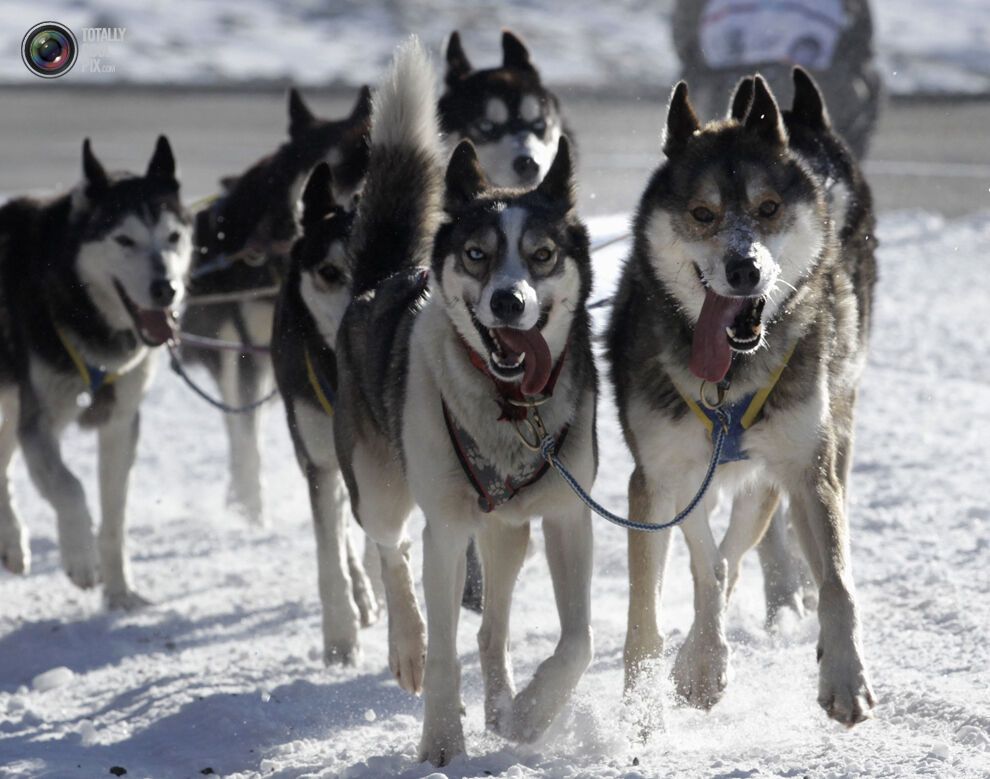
x=162, y=292
x=742, y=274
x=526, y=167
x=508, y=304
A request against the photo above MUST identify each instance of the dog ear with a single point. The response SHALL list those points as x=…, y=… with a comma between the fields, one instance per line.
x=741, y=99
x=682, y=121
x=465, y=178
x=558, y=184
x=162, y=164
x=458, y=65
x=362, y=108
x=300, y=117
x=514, y=52
x=764, y=117
x=317, y=199
x=808, y=107
x=93, y=171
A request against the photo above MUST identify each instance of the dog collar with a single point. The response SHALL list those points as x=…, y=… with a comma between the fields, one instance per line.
x=94, y=377
x=513, y=404
x=742, y=414
x=321, y=387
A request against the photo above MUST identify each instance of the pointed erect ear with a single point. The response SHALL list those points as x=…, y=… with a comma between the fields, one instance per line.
x=162, y=164
x=558, y=184
x=682, y=121
x=514, y=52
x=93, y=171
x=300, y=117
x=764, y=117
x=458, y=65
x=317, y=198
x=465, y=179
x=808, y=107
x=741, y=99
x=362, y=108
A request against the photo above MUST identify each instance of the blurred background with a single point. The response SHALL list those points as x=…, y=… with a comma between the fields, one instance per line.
x=212, y=74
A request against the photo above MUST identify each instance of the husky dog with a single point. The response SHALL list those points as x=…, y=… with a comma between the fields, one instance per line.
x=738, y=284
x=87, y=283
x=850, y=204
x=468, y=309
x=311, y=304
x=513, y=120
x=242, y=242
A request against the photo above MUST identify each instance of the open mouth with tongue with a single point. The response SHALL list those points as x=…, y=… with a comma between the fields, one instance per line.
x=725, y=325
x=518, y=355
x=154, y=325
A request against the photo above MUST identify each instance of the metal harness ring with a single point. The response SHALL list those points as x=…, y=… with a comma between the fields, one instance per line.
x=720, y=390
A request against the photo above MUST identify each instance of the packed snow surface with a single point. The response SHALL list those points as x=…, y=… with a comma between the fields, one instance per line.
x=225, y=671
x=940, y=46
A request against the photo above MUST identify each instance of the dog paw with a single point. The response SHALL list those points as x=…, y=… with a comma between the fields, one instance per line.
x=498, y=711
x=407, y=658
x=15, y=552
x=365, y=600
x=345, y=652
x=248, y=504
x=125, y=600
x=701, y=670
x=844, y=690
x=81, y=563
x=441, y=743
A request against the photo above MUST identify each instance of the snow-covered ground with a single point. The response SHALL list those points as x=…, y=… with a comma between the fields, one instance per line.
x=940, y=46
x=225, y=672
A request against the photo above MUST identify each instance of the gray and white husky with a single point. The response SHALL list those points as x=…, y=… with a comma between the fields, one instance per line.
x=740, y=294
x=468, y=307
x=88, y=280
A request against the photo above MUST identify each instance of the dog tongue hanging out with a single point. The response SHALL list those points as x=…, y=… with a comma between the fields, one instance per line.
x=711, y=354
x=528, y=349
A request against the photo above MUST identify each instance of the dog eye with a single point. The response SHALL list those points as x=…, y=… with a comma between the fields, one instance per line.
x=543, y=255
x=331, y=274
x=768, y=208
x=474, y=254
x=485, y=126
x=703, y=215
x=124, y=241
x=173, y=237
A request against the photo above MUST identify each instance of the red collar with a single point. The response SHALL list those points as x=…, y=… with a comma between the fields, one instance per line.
x=510, y=393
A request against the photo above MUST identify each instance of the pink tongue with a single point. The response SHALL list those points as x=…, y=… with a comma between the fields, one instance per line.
x=536, y=366
x=710, y=352
x=155, y=324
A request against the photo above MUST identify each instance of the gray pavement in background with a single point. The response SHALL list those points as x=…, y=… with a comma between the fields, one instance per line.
x=932, y=156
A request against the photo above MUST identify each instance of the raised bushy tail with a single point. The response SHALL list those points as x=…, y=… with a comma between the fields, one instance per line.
x=400, y=208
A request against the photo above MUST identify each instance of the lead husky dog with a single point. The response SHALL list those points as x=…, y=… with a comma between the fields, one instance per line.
x=468, y=300
x=87, y=283
x=738, y=284
x=242, y=242
x=311, y=304
x=512, y=119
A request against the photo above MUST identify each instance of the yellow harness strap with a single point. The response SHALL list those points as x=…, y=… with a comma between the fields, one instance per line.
x=92, y=377
x=314, y=382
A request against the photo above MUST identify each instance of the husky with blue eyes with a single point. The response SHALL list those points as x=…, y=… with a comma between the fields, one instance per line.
x=88, y=283
x=513, y=120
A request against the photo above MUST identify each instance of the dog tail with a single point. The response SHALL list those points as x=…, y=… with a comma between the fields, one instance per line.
x=400, y=207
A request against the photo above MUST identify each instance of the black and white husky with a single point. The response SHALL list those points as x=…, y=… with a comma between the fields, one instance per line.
x=469, y=305
x=242, y=242
x=312, y=301
x=513, y=120
x=87, y=283
x=740, y=294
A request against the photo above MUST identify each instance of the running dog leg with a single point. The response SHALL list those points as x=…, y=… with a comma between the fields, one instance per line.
x=361, y=587
x=701, y=670
x=752, y=512
x=569, y=550
x=783, y=582
x=844, y=689
x=647, y=560
x=118, y=447
x=241, y=382
x=444, y=547
x=15, y=552
x=62, y=489
x=503, y=550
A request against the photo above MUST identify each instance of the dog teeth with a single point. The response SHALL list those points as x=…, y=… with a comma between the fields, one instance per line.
x=501, y=362
x=731, y=332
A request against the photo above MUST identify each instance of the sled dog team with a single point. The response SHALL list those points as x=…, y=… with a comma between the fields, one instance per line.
x=422, y=276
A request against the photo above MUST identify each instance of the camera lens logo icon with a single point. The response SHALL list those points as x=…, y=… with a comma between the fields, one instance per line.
x=49, y=50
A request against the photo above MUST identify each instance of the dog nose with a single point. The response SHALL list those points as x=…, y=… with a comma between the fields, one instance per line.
x=742, y=274
x=525, y=167
x=162, y=292
x=508, y=304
